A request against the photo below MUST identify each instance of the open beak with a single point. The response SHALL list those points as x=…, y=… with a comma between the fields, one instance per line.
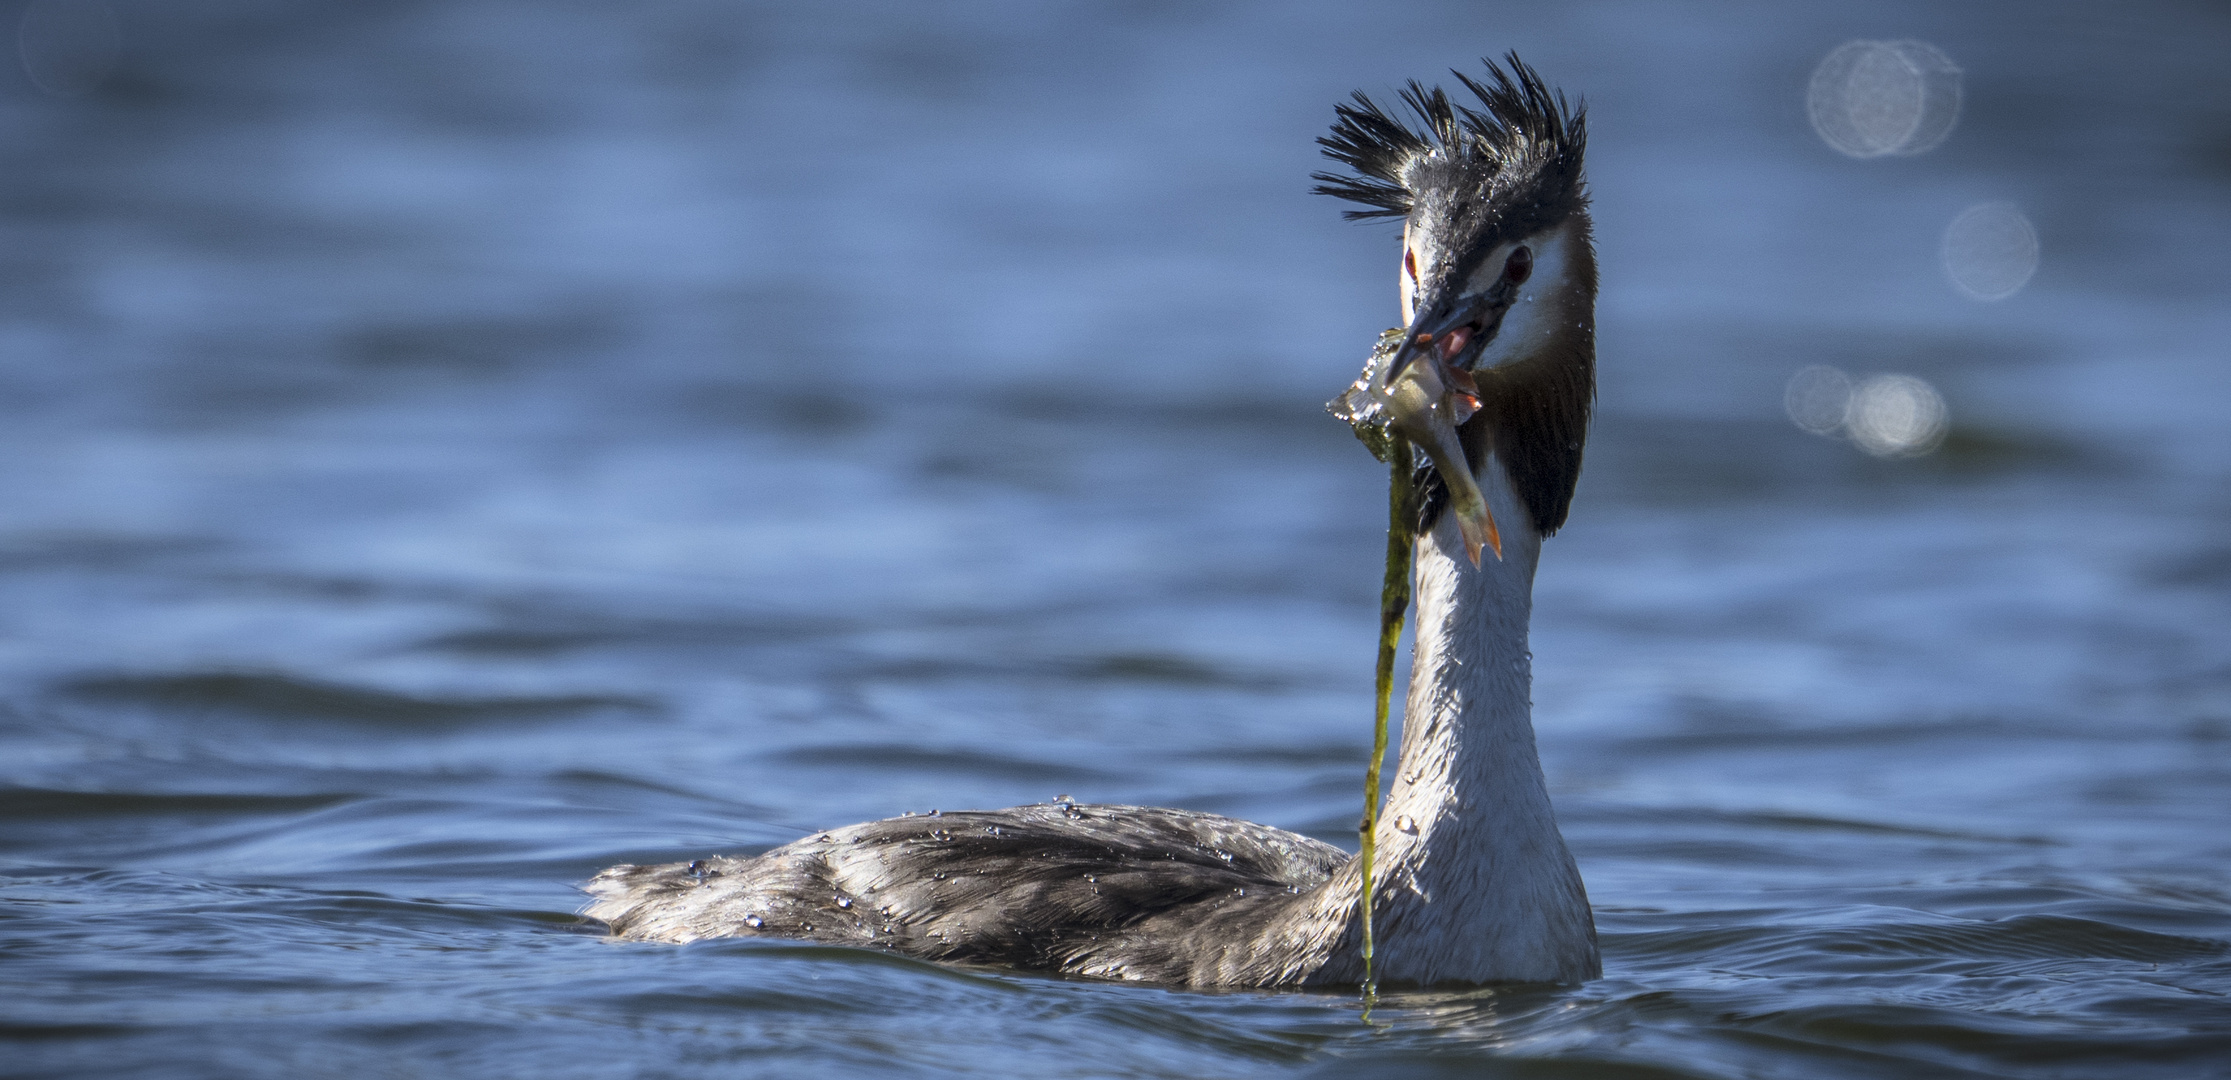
x=1427, y=396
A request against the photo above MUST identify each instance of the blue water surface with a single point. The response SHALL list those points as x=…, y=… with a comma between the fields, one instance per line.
x=450, y=447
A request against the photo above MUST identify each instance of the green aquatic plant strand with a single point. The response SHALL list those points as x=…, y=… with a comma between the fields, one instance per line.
x=1364, y=408
x=1394, y=603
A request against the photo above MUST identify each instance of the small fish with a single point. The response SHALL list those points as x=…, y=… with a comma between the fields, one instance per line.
x=1424, y=403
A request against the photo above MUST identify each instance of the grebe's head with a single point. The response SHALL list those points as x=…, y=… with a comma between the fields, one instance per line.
x=1498, y=281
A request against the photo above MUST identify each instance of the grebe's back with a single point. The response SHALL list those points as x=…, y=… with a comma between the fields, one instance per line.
x=1059, y=887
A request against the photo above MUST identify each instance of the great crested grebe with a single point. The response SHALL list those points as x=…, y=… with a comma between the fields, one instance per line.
x=1494, y=376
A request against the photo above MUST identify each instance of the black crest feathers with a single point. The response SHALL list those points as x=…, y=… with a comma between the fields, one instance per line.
x=1471, y=178
x=1522, y=127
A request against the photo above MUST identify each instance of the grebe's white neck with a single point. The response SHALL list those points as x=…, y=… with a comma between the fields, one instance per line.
x=1473, y=880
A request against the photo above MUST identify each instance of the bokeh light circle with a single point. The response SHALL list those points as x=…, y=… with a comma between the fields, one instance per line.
x=1896, y=416
x=1876, y=98
x=1990, y=251
x=1816, y=399
x=1885, y=415
x=68, y=47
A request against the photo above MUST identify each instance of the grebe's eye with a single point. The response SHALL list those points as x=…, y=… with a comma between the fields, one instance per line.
x=1519, y=266
x=1410, y=263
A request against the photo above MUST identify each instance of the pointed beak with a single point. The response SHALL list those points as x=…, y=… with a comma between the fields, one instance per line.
x=1427, y=396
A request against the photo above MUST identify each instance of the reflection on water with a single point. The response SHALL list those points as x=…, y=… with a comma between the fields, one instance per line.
x=447, y=449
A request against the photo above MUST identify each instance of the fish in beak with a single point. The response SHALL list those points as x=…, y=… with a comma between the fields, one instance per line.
x=1426, y=399
x=1411, y=390
x=1423, y=390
